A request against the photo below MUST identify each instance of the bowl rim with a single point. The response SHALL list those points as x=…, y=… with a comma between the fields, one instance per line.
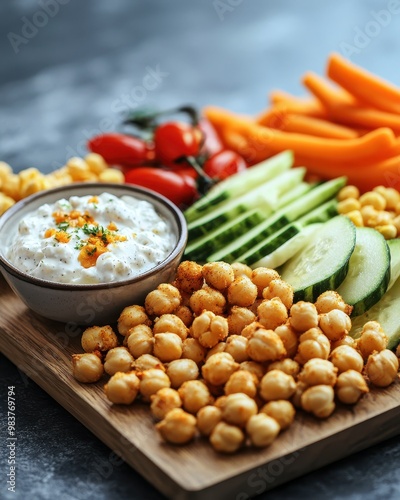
x=175, y=211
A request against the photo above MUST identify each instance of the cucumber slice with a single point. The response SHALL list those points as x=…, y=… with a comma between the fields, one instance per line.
x=289, y=248
x=386, y=312
x=394, y=248
x=323, y=262
x=238, y=184
x=314, y=198
x=270, y=244
x=200, y=248
x=369, y=271
x=264, y=197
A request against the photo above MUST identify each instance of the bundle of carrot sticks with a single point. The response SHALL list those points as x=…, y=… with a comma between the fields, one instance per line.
x=349, y=125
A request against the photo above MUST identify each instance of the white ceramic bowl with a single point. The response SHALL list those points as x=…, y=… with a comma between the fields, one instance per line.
x=96, y=303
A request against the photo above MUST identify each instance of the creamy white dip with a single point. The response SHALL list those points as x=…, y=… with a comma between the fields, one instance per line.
x=91, y=239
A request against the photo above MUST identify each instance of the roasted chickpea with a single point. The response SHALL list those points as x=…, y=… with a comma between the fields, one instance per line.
x=262, y=430
x=236, y=345
x=182, y=370
x=282, y=290
x=226, y=438
x=240, y=269
x=372, y=338
x=238, y=408
x=207, y=299
x=242, y=292
x=140, y=340
x=189, y=276
x=192, y=349
x=218, y=275
x=130, y=317
x=152, y=381
x=318, y=372
x=382, y=367
x=242, y=381
x=122, y=388
x=167, y=346
x=194, y=395
x=335, y=324
x=257, y=369
x=163, y=401
x=164, y=300
x=170, y=323
x=185, y=315
x=220, y=347
x=319, y=400
x=346, y=340
x=312, y=344
x=346, y=358
x=303, y=316
x=262, y=277
x=147, y=362
x=272, y=313
x=330, y=300
x=276, y=384
x=265, y=345
x=207, y=418
x=281, y=410
x=218, y=368
x=350, y=386
x=118, y=359
x=209, y=329
x=177, y=427
x=87, y=368
x=239, y=318
x=99, y=338
x=289, y=338
x=296, y=398
x=287, y=365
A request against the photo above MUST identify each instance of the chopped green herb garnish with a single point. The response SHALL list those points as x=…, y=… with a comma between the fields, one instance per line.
x=63, y=226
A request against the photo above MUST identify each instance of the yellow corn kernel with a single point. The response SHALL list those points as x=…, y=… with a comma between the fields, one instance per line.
x=355, y=217
x=391, y=195
x=77, y=168
x=11, y=186
x=397, y=208
x=112, y=175
x=95, y=163
x=388, y=231
x=373, y=198
x=5, y=171
x=396, y=224
x=348, y=205
x=5, y=203
x=348, y=192
x=383, y=217
x=369, y=215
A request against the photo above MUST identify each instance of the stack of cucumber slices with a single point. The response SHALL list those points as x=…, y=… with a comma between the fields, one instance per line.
x=269, y=216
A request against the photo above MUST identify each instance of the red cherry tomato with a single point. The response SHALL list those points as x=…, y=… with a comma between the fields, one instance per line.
x=223, y=164
x=121, y=149
x=180, y=188
x=212, y=142
x=174, y=140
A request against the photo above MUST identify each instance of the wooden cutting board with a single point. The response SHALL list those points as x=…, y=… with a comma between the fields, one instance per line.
x=42, y=349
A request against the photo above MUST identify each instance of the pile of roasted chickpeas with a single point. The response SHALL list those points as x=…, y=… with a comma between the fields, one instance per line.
x=15, y=186
x=379, y=209
x=223, y=352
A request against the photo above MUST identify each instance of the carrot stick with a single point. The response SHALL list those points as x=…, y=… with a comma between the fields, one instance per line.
x=343, y=108
x=292, y=104
x=266, y=141
x=366, y=177
x=316, y=127
x=364, y=85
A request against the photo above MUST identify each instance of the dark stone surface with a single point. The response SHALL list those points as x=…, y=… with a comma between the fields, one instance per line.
x=74, y=76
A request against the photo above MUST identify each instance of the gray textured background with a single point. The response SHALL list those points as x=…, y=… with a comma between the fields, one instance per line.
x=74, y=76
